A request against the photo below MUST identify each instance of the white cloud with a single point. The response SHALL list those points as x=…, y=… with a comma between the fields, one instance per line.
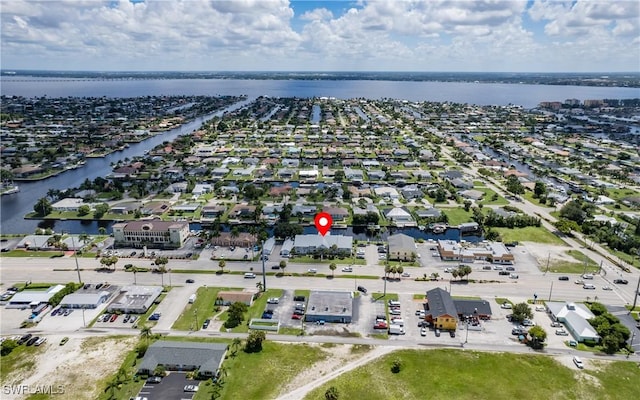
x=259, y=34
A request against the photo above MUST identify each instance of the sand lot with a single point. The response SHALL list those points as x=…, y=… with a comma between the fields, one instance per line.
x=78, y=366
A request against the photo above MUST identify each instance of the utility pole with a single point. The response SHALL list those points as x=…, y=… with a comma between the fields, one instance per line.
x=550, y=290
x=635, y=296
x=264, y=275
x=75, y=256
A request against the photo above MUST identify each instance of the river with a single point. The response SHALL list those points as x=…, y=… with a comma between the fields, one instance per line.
x=15, y=206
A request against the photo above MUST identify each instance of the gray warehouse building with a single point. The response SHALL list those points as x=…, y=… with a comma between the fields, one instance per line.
x=329, y=306
x=184, y=356
x=135, y=299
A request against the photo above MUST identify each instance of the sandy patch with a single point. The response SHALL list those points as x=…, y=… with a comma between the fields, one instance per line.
x=338, y=356
x=544, y=253
x=78, y=366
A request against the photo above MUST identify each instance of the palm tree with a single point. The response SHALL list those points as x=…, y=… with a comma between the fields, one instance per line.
x=102, y=230
x=112, y=385
x=394, y=270
x=259, y=286
x=400, y=270
x=145, y=332
x=235, y=345
x=387, y=269
x=333, y=267
x=221, y=265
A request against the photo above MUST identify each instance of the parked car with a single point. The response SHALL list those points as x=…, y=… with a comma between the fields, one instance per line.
x=25, y=338
x=578, y=362
x=362, y=289
x=206, y=323
x=40, y=341
x=154, y=317
x=154, y=379
x=395, y=312
x=191, y=388
x=573, y=343
x=133, y=319
x=296, y=316
x=510, y=269
x=67, y=311
x=380, y=325
x=31, y=341
x=506, y=306
x=556, y=324
x=437, y=332
x=541, y=308
x=561, y=332
x=423, y=332
x=406, y=275
x=126, y=318
x=273, y=300
x=113, y=318
x=64, y=341
x=563, y=278
x=528, y=322
x=452, y=334
x=518, y=331
x=621, y=281
x=607, y=288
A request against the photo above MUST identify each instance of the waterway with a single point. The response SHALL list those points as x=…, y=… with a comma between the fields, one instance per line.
x=15, y=206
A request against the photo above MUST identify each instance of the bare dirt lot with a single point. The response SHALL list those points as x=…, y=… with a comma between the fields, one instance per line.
x=543, y=252
x=78, y=366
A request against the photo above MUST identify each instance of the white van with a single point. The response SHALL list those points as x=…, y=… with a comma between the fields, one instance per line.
x=588, y=286
x=397, y=321
x=587, y=276
x=394, y=303
x=249, y=275
x=192, y=298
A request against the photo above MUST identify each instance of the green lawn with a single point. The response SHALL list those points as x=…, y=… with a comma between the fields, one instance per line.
x=205, y=301
x=472, y=375
x=338, y=261
x=577, y=267
x=21, y=361
x=262, y=375
x=255, y=311
x=457, y=216
x=488, y=197
x=528, y=234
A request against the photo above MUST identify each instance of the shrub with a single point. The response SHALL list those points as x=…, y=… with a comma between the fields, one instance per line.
x=396, y=366
x=7, y=347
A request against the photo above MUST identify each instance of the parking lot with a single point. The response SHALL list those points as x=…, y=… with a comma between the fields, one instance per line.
x=170, y=388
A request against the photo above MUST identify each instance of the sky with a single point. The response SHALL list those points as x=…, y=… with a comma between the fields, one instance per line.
x=284, y=35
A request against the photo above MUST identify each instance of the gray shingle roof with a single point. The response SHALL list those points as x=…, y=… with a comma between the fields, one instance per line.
x=205, y=356
x=440, y=303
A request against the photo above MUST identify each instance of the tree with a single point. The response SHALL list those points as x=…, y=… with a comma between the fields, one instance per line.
x=464, y=270
x=100, y=210
x=399, y=269
x=566, y=226
x=573, y=211
x=112, y=385
x=235, y=314
x=161, y=262
x=235, y=345
x=109, y=261
x=513, y=185
x=145, y=332
x=259, y=286
x=522, y=311
x=7, y=347
x=538, y=335
x=221, y=265
x=254, y=342
x=467, y=205
x=84, y=210
x=43, y=207
x=396, y=366
x=539, y=190
x=332, y=267
x=332, y=393
x=282, y=265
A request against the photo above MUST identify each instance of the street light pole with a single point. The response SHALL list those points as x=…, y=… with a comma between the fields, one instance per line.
x=75, y=256
x=264, y=275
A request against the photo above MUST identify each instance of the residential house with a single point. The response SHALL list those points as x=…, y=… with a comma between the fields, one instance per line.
x=338, y=214
x=400, y=217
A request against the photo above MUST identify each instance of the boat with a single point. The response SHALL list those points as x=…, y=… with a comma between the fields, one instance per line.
x=9, y=188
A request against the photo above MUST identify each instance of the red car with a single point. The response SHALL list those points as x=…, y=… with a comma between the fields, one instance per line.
x=380, y=325
x=113, y=317
x=296, y=316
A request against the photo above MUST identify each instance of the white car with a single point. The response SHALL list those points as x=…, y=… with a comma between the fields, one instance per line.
x=406, y=274
x=347, y=269
x=506, y=306
x=578, y=362
x=273, y=300
x=191, y=388
x=607, y=288
x=312, y=270
x=561, y=332
x=423, y=332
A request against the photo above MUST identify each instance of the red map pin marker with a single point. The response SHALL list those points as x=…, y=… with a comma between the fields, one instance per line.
x=323, y=222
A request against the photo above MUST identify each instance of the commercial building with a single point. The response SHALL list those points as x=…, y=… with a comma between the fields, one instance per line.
x=494, y=252
x=440, y=310
x=84, y=300
x=329, y=306
x=151, y=234
x=135, y=299
x=33, y=298
x=206, y=358
x=401, y=247
x=310, y=244
x=575, y=316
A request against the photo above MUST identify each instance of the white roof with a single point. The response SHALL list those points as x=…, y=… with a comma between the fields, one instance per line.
x=84, y=298
x=342, y=242
x=35, y=296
